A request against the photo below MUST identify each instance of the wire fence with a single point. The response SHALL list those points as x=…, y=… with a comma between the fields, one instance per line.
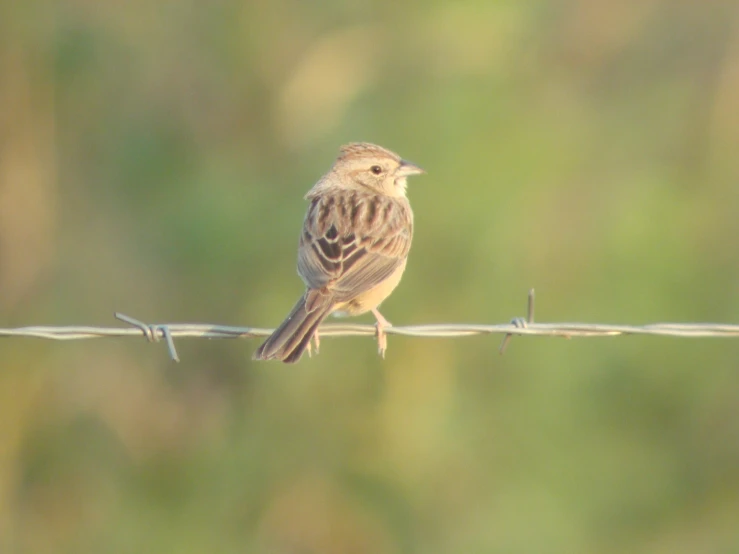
x=519, y=326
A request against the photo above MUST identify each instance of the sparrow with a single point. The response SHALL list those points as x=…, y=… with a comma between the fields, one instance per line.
x=353, y=247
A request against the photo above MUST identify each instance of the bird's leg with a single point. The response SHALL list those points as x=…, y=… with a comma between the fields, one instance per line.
x=380, y=326
x=316, y=340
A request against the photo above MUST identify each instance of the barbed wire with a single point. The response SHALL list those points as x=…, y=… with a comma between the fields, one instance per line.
x=518, y=326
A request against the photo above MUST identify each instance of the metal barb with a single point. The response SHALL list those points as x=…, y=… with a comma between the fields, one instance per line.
x=530, y=310
x=519, y=322
x=152, y=333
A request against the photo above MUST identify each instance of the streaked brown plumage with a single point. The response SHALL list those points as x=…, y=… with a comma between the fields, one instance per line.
x=353, y=247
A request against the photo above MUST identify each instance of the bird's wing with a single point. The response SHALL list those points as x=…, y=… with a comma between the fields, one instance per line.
x=352, y=241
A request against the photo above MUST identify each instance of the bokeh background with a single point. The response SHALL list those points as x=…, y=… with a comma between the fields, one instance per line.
x=153, y=159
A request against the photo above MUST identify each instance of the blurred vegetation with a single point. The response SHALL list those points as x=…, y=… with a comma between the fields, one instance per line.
x=153, y=158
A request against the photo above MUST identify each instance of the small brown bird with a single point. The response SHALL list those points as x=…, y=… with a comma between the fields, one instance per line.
x=353, y=248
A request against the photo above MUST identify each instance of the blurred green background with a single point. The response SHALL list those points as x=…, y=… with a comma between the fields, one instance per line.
x=153, y=159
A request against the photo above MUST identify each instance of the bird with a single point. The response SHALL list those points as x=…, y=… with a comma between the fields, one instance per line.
x=353, y=246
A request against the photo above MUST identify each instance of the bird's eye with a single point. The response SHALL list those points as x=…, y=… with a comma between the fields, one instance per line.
x=376, y=169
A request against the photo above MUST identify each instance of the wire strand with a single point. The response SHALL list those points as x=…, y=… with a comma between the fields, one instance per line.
x=519, y=326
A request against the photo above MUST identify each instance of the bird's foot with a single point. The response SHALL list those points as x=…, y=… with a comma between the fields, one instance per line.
x=314, y=340
x=380, y=327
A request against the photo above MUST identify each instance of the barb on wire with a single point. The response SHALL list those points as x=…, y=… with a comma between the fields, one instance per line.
x=519, y=326
x=519, y=322
x=152, y=332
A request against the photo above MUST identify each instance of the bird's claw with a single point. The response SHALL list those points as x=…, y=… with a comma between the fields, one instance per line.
x=380, y=327
x=317, y=341
x=314, y=340
x=381, y=338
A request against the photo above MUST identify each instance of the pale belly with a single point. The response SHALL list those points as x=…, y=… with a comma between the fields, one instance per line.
x=372, y=298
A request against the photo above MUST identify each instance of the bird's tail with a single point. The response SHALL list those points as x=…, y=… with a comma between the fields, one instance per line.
x=291, y=338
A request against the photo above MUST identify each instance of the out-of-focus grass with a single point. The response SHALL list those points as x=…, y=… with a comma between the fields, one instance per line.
x=152, y=161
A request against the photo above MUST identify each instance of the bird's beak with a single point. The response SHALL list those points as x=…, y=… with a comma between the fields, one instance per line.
x=407, y=168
